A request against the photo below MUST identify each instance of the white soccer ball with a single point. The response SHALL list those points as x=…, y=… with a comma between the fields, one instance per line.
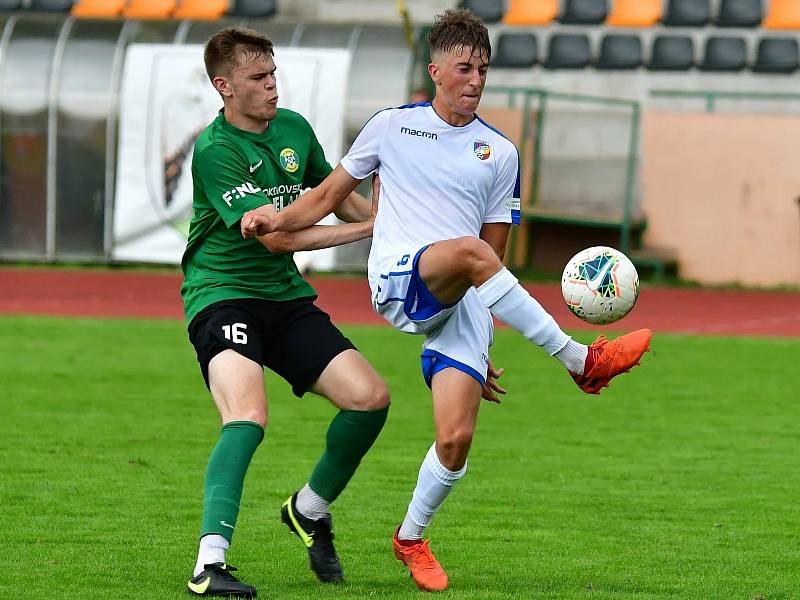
x=600, y=285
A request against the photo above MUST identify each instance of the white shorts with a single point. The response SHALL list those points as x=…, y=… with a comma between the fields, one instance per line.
x=457, y=335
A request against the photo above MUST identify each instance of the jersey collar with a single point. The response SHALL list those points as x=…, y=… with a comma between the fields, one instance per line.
x=249, y=135
x=435, y=118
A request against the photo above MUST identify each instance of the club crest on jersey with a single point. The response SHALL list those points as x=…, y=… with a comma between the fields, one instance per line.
x=289, y=160
x=482, y=149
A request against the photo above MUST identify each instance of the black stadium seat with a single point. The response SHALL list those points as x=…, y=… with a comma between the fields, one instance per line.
x=672, y=53
x=777, y=55
x=724, y=54
x=491, y=11
x=687, y=13
x=620, y=52
x=584, y=12
x=568, y=51
x=253, y=8
x=51, y=5
x=740, y=13
x=515, y=50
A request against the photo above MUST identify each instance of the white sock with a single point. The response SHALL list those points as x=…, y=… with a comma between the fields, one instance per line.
x=212, y=550
x=433, y=485
x=310, y=504
x=510, y=303
x=573, y=356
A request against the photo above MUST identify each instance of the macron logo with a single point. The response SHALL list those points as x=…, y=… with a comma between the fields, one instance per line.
x=418, y=133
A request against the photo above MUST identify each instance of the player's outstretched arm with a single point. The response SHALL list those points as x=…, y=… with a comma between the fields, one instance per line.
x=316, y=237
x=356, y=208
x=307, y=210
x=259, y=221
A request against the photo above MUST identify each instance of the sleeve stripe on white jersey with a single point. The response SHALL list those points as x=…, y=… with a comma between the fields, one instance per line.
x=497, y=131
x=515, y=214
x=370, y=119
x=416, y=104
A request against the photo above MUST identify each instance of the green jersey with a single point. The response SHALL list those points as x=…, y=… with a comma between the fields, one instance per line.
x=234, y=171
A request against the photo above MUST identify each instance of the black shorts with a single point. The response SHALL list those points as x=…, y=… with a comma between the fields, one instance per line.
x=293, y=338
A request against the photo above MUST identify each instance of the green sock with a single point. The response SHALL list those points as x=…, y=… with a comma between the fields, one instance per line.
x=350, y=435
x=225, y=476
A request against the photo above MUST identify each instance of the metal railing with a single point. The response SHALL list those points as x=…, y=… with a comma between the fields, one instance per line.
x=542, y=98
x=711, y=96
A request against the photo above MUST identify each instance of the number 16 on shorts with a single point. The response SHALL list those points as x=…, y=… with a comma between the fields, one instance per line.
x=235, y=333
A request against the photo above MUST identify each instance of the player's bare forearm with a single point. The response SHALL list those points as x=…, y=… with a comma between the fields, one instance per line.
x=496, y=235
x=307, y=210
x=316, y=237
x=354, y=209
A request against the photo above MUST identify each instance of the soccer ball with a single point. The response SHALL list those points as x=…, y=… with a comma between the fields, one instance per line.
x=600, y=285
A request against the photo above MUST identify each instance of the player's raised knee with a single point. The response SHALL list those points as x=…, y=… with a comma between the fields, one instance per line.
x=475, y=254
x=470, y=247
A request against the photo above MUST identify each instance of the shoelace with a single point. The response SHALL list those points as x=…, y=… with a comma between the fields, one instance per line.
x=323, y=536
x=321, y=529
x=226, y=572
x=324, y=542
x=423, y=557
x=596, y=347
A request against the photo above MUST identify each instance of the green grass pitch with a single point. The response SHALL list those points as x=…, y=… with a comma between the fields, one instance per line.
x=681, y=481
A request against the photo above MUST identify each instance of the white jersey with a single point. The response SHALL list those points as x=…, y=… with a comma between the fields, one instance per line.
x=438, y=182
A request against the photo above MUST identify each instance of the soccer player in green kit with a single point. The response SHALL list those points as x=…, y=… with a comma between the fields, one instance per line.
x=248, y=306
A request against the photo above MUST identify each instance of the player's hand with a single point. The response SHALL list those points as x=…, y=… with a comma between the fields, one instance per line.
x=491, y=388
x=259, y=221
x=376, y=193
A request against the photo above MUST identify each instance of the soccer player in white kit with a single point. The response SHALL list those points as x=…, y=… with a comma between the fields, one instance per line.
x=449, y=194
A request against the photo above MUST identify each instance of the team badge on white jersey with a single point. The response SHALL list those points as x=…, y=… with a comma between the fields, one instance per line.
x=482, y=149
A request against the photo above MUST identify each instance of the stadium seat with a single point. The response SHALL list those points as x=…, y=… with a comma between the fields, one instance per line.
x=777, y=55
x=201, y=10
x=724, y=54
x=783, y=14
x=584, y=12
x=672, y=53
x=635, y=13
x=516, y=51
x=8, y=5
x=739, y=13
x=568, y=51
x=149, y=9
x=620, y=52
x=525, y=12
x=253, y=8
x=687, y=13
x=50, y=5
x=491, y=11
x=98, y=9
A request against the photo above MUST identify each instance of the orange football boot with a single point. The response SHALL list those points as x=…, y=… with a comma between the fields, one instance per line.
x=607, y=359
x=425, y=569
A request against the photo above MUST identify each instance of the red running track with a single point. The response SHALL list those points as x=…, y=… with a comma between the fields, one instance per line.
x=127, y=294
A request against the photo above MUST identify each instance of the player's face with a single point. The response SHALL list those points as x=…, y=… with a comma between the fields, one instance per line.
x=253, y=90
x=459, y=76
